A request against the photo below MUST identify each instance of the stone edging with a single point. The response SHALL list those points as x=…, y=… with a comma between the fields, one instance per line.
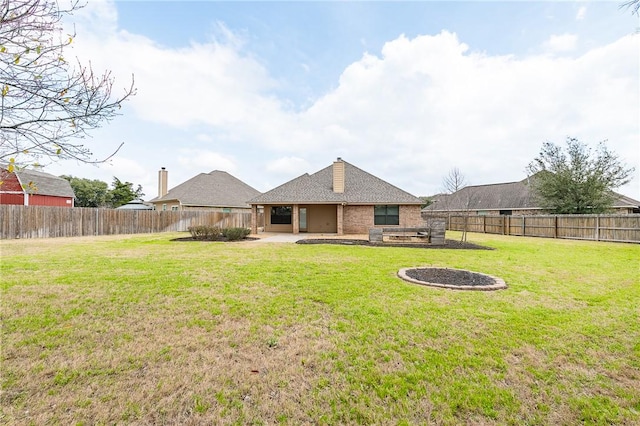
x=499, y=283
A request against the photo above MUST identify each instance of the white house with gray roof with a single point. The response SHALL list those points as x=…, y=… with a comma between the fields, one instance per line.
x=216, y=190
x=340, y=199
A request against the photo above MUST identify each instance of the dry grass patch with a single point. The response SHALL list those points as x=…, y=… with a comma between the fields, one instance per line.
x=157, y=363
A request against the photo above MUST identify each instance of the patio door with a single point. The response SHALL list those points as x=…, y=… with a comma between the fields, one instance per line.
x=303, y=219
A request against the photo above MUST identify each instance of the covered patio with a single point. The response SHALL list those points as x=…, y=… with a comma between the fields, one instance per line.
x=297, y=218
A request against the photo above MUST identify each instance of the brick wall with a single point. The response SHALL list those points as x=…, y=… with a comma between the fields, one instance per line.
x=359, y=219
x=410, y=216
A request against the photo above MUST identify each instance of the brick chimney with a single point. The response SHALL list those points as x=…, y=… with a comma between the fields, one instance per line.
x=338, y=176
x=162, y=182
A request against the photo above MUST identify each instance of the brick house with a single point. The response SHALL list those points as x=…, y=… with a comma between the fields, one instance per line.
x=340, y=199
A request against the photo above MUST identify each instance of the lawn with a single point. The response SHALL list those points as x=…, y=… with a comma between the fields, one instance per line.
x=145, y=330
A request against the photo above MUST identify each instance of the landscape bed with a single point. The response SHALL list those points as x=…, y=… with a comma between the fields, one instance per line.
x=141, y=329
x=449, y=244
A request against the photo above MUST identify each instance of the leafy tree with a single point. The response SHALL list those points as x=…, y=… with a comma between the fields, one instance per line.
x=576, y=181
x=96, y=193
x=48, y=104
x=426, y=201
x=123, y=192
x=89, y=193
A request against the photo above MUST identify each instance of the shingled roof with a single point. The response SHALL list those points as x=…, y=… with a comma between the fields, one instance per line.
x=360, y=187
x=41, y=183
x=500, y=196
x=214, y=189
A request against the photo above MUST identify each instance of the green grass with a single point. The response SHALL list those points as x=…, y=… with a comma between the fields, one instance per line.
x=141, y=329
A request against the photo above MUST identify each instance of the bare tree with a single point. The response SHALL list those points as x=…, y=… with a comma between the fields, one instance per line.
x=48, y=104
x=467, y=198
x=633, y=5
x=453, y=184
x=454, y=181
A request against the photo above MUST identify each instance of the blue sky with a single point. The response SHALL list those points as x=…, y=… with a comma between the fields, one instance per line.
x=404, y=90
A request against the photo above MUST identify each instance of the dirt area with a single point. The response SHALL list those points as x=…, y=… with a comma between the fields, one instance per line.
x=448, y=244
x=220, y=239
x=457, y=279
x=449, y=276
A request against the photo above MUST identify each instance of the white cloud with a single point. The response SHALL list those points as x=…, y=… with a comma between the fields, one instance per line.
x=582, y=13
x=197, y=160
x=561, y=43
x=423, y=106
x=203, y=137
x=289, y=166
x=98, y=16
x=427, y=104
x=211, y=83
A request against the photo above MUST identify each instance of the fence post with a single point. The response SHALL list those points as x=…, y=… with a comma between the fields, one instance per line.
x=524, y=229
x=597, y=230
x=555, y=226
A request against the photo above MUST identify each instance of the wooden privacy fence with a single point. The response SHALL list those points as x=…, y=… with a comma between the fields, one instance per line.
x=616, y=228
x=45, y=222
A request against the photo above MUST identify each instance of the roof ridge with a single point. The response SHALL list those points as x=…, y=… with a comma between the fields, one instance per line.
x=376, y=177
x=492, y=184
x=217, y=187
x=360, y=187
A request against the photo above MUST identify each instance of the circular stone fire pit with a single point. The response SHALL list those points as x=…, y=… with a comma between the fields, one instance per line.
x=458, y=279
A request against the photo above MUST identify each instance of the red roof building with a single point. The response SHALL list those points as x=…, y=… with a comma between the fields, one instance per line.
x=34, y=188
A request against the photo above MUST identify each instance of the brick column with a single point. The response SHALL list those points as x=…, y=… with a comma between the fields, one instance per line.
x=254, y=219
x=340, y=220
x=296, y=219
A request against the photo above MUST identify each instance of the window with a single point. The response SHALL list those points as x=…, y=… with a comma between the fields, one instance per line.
x=506, y=212
x=386, y=215
x=174, y=208
x=164, y=207
x=281, y=215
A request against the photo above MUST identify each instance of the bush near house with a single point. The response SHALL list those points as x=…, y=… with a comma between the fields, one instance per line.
x=204, y=232
x=234, y=234
x=212, y=233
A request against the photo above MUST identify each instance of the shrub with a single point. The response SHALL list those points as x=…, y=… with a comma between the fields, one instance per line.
x=234, y=234
x=205, y=232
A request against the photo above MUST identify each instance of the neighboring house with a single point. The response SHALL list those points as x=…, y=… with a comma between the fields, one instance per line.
x=34, y=188
x=217, y=190
x=511, y=198
x=341, y=199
